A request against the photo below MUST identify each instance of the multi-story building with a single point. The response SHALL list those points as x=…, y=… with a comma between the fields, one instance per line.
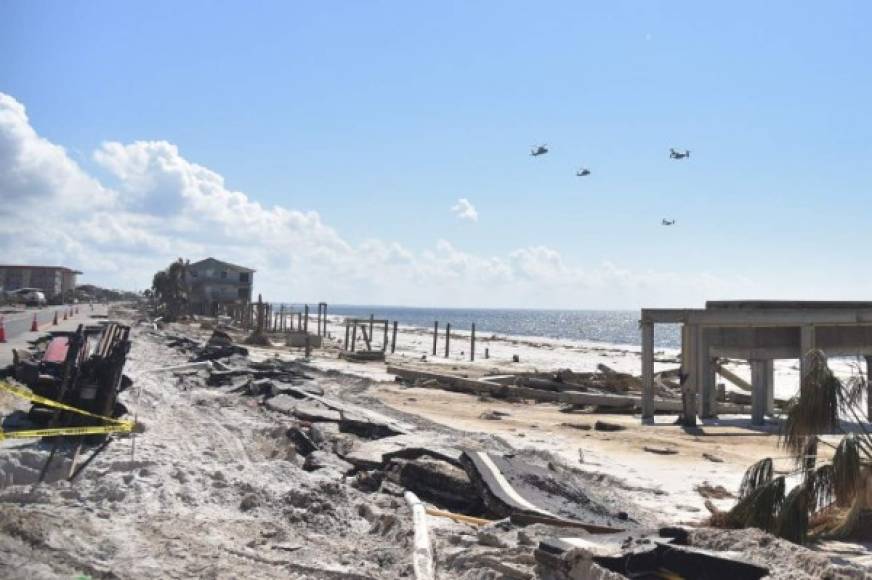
x=56, y=282
x=212, y=282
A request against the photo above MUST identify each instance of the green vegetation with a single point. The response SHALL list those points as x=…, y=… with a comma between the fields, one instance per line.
x=831, y=495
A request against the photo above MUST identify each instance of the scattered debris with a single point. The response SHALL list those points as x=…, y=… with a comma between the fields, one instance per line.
x=493, y=415
x=606, y=426
x=660, y=450
x=710, y=491
x=579, y=426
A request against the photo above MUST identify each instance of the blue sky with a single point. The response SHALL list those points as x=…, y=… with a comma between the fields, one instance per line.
x=379, y=116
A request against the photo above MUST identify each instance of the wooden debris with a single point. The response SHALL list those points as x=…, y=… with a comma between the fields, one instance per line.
x=599, y=400
x=660, y=450
x=606, y=426
x=464, y=519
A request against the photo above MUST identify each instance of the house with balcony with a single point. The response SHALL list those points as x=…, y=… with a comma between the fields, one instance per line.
x=213, y=284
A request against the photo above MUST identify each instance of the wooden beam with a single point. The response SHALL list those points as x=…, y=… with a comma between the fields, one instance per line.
x=432, y=380
x=733, y=378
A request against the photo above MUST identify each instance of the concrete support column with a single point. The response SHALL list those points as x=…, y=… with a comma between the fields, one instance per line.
x=868, y=389
x=758, y=392
x=769, y=371
x=708, y=406
x=647, y=371
x=689, y=372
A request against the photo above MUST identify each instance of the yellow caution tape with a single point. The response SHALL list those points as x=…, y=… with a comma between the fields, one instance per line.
x=64, y=431
x=115, y=425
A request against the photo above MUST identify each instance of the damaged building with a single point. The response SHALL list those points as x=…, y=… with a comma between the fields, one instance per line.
x=213, y=284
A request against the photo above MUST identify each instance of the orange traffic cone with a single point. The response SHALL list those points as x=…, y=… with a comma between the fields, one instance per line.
x=2, y=331
x=34, y=327
x=55, y=321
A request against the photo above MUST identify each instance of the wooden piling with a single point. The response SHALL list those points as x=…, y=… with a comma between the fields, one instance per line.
x=346, y=336
x=306, y=319
x=367, y=338
x=354, y=337
x=325, y=319
x=318, y=332
x=394, y=341
x=385, y=340
x=435, y=335
x=259, y=314
x=472, y=344
x=371, y=318
x=447, y=338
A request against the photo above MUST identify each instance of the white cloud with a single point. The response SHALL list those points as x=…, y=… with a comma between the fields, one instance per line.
x=164, y=206
x=464, y=210
x=35, y=173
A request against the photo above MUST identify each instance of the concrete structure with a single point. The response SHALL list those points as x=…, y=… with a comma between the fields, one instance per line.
x=758, y=331
x=56, y=282
x=213, y=283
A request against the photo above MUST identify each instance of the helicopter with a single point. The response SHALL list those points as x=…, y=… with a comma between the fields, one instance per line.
x=538, y=150
x=667, y=222
x=675, y=154
x=582, y=172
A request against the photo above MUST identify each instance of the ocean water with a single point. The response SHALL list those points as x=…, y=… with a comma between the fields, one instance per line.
x=608, y=326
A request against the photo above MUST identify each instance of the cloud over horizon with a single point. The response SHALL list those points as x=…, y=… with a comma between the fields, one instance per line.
x=165, y=206
x=464, y=210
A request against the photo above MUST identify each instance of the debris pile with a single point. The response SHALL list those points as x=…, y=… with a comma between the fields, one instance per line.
x=270, y=468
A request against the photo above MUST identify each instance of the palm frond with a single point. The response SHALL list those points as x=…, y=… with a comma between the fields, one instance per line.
x=816, y=410
x=758, y=509
x=846, y=470
x=792, y=521
x=855, y=386
x=820, y=484
x=854, y=524
x=756, y=476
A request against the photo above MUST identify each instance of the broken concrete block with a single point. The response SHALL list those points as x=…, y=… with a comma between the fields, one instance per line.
x=260, y=387
x=315, y=412
x=438, y=482
x=377, y=452
x=323, y=433
x=321, y=460
x=368, y=425
x=282, y=404
x=301, y=441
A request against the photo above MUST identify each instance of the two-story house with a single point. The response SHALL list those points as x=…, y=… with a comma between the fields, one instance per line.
x=212, y=282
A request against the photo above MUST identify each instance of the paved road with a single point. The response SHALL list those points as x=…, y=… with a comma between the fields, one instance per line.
x=17, y=325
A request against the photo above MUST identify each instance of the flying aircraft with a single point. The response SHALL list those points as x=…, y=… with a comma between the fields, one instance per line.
x=667, y=222
x=676, y=154
x=582, y=172
x=538, y=150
